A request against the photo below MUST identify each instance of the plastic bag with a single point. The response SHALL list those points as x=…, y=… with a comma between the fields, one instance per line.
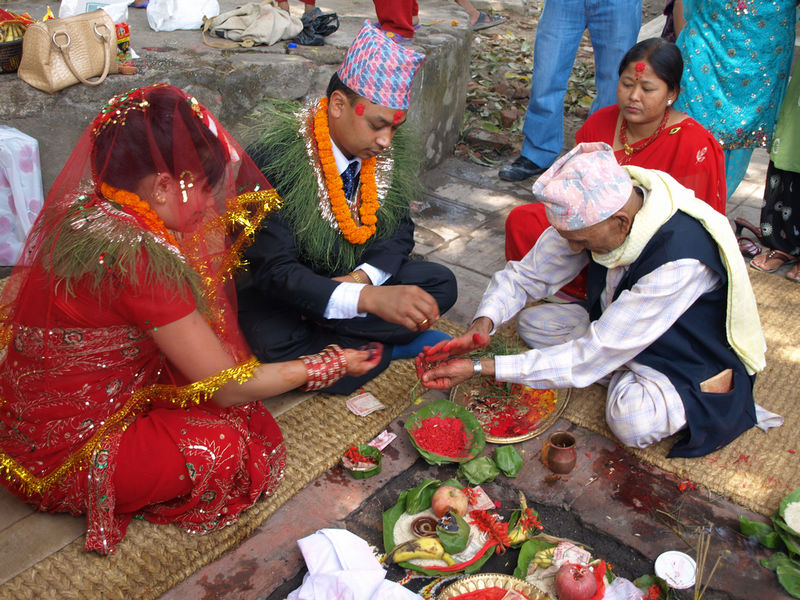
x=118, y=11
x=169, y=15
x=21, y=195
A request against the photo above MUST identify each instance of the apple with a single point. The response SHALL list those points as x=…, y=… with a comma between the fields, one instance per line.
x=575, y=582
x=448, y=498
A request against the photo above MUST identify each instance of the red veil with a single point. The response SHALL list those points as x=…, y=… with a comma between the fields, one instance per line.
x=100, y=268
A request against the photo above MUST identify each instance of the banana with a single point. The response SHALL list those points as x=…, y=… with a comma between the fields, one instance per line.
x=544, y=558
x=425, y=547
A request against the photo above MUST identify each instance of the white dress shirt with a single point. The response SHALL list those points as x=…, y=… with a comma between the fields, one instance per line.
x=343, y=303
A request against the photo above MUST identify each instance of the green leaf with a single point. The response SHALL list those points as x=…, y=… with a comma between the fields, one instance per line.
x=454, y=542
x=508, y=460
x=773, y=560
x=789, y=577
x=419, y=498
x=793, y=496
x=526, y=553
x=762, y=532
x=647, y=581
x=478, y=471
x=787, y=534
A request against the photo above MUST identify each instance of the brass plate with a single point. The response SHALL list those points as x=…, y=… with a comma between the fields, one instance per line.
x=482, y=581
x=468, y=395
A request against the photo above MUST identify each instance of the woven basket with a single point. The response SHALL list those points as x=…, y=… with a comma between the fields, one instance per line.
x=10, y=55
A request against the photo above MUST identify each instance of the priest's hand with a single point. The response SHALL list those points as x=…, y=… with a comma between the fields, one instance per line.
x=406, y=305
x=447, y=374
x=477, y=336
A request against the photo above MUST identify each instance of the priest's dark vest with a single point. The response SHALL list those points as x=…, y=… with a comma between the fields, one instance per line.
x=695, y=348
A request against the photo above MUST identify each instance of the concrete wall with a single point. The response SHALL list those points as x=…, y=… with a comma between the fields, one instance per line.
x=232, y=82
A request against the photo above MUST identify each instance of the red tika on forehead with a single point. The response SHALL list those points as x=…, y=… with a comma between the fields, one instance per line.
x=640, y=67
x=359, y=109
x=398, y=116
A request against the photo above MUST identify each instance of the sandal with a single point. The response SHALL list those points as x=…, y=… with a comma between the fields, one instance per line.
x=748, y=247
x=739, y=223
x=794, y=273
x=777, y=260
x=486, y=20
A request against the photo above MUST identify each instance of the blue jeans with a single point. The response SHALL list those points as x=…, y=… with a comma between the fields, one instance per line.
x=613, y=26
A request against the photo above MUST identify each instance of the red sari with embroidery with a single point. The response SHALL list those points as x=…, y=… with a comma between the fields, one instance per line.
x=212, y=463
x=92, y=418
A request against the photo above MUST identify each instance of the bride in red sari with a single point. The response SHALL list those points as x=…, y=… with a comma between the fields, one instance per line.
x=645, y=131
x=126, y=386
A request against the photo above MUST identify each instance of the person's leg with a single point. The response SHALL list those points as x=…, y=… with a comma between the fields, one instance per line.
x=395, y=16
x=547, y=325
x=558, y=35
x=471, y=10
x=277, y=333
x=643, y=406
x=613, y=26
x=283, y=5
x=309, y=5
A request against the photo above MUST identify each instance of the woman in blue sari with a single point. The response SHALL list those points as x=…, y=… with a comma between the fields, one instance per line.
x=737, y=58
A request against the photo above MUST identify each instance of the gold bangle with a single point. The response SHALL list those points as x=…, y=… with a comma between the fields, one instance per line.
x=357, y=277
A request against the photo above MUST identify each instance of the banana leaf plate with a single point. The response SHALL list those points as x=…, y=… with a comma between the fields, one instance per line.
x=510, y=412
x=444, y=408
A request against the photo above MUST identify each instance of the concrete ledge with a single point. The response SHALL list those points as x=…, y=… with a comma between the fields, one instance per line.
x=232, y=82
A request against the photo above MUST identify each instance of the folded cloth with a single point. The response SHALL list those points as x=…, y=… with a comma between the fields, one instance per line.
x=342, y=566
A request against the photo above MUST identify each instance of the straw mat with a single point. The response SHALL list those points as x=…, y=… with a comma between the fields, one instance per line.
x=154, y=558
x=757, y=469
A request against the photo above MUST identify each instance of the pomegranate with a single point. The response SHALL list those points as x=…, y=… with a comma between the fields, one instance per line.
x=575, y=582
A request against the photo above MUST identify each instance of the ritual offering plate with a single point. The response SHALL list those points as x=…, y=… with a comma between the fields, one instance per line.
x=491, y=586
x=362, y=461
x=444, y=432
x=510, y=412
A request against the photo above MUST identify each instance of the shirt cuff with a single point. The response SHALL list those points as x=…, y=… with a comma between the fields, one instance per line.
x=376, y=276
x=343, y=303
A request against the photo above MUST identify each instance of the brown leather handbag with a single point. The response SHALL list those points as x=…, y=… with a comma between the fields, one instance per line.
x=59, y=53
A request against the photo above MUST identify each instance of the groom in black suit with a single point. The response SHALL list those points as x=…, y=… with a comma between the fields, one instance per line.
x=331, y=267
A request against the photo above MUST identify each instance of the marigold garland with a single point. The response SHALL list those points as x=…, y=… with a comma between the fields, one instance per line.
x=141, y=209
x=369, y=206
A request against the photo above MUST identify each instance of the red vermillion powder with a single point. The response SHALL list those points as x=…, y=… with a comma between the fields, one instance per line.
x=442, y=435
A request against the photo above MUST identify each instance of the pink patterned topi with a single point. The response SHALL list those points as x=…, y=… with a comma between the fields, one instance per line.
x=379, y=69
x=583, y=187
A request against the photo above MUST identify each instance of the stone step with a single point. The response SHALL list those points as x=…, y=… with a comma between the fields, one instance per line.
x=232, y=82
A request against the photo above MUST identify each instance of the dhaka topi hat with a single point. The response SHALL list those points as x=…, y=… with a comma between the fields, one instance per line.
x=584, y=187
x=380, y=69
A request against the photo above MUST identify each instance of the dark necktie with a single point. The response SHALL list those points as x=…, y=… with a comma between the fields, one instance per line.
x=349, y=179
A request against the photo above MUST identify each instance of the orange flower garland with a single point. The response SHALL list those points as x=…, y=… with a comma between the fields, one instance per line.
x=147, y=216
x=352, y=232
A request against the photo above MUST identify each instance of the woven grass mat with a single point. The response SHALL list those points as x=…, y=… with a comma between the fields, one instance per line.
x=154, y=558
x=757, y=469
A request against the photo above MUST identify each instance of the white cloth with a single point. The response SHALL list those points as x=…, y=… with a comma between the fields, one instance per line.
x=343, y=303
x=341, y=566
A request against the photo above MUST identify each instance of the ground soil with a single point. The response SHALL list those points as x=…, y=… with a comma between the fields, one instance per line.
x=498, y=92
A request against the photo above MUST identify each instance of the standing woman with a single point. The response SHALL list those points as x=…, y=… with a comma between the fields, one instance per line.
x=126, y=386
x=780, y=215
x=645, y=130
x=737, y=58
